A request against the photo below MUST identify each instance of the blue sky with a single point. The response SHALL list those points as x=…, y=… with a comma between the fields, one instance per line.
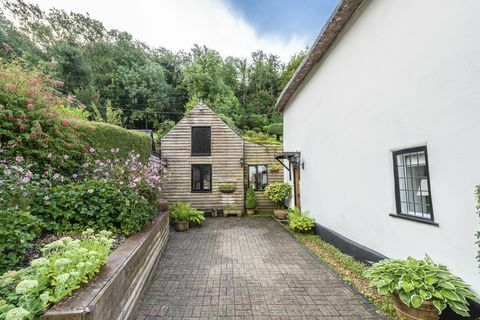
x=304, y=18
x=232, y=27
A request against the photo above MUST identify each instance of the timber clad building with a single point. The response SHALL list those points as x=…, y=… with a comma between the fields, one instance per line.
x=201, y=153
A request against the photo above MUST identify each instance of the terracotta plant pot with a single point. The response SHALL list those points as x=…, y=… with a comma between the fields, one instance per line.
x=250, y=212
x=181, y=226
x=280, y=214
x=426, y=311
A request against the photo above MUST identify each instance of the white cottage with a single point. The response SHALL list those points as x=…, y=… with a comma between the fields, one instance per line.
x=382, y=121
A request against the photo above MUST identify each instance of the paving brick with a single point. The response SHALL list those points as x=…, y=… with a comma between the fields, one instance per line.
x=245, y=268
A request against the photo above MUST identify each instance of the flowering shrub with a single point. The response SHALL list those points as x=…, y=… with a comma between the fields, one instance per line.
x=66, y=263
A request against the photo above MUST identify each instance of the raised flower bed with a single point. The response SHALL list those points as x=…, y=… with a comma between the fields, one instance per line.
x=115, y=291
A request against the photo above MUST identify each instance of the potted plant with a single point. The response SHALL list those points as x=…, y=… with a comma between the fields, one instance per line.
x=250, y=201
x=278, y=192
x=231, y=209
x=196, y=218
x=226, y=187
x=300, y=221
x=180, y=213
x=275, y=167
x=420, y=289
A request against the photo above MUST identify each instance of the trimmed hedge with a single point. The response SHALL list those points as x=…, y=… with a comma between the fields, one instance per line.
x=103, y=137
x=275, y=129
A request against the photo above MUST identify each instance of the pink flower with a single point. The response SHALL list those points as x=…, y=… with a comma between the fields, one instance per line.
x=19, y=159
x=85, y=165
x=97, y=161
x=65, y=157
x=92, y=150
x=30, y=107
x=49, y=155
x=6, y=47
x=25, y=179
x=66, y=123
x=56, y=176
x=11, y=88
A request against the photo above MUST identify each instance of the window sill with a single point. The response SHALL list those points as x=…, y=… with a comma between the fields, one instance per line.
x=201, y=191
x=411, y=218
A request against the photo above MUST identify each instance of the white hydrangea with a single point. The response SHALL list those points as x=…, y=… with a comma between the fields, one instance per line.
x=17, y=314
x=62, y=278
x=62, y=262
x=40, y=262
x=25, y=286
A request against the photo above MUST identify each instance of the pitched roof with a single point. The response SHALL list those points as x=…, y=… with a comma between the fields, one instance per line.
x=337, y=21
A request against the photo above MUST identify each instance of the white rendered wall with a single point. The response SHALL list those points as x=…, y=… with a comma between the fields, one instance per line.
x=405, y=74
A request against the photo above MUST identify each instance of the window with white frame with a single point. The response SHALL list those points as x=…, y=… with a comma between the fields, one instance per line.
x=412, y=183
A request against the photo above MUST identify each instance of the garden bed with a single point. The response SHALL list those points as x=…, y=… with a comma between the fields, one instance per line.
x=115, y=291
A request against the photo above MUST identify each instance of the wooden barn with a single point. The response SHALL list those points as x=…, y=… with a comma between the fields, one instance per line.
x=203, y=155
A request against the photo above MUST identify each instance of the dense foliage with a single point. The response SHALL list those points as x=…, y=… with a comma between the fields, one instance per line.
x=183, y=212
x=66, y=263
x=278, y=192
x=300, y=221
x=250, y=199
x=149, y=85
x=17, y=230
x=416, y=281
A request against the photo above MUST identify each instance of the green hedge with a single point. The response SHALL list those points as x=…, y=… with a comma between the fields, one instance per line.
x=103, y=137
x=275, y=129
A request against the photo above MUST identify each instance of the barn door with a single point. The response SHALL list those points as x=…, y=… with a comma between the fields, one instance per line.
x=296, y=186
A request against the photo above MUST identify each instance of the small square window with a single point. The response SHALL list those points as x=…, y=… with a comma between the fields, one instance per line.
x=201, y=177
x=412, y=183
x=201, y=141
x=257, y=177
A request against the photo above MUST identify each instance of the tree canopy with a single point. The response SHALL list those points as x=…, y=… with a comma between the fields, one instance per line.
x=105, y=70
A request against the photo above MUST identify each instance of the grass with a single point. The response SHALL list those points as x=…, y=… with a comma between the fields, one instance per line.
x=263, y=213
x=349, y=269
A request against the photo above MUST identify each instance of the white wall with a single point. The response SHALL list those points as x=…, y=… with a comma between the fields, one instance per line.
x=406, y=73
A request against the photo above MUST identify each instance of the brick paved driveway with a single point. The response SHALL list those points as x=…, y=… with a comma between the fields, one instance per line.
x=245, y=268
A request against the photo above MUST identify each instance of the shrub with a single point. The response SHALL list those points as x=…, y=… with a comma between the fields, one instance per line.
x=183, y=212
x=278, y=192
x=416, y=281
x=99, y=204
x=260, y=138
x=103, y=137
x=18, y=229
x=250, y=199
x=275, y=129
x=66, y=263
x=300, y=221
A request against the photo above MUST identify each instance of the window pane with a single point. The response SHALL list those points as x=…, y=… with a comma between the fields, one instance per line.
x=412, y=184
x=252, y=177
x=196, y=179
x=262, y=177
x=201, y=141
x=207, y=175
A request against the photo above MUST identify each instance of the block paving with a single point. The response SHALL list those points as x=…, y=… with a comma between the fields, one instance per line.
x=245, y=268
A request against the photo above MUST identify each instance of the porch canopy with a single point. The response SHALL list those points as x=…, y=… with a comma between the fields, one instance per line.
x=293, y=159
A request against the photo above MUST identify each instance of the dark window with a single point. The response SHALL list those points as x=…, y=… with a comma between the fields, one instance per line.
x=201, y=177
x=201, y=141
x=412, y=183
x=257, y=177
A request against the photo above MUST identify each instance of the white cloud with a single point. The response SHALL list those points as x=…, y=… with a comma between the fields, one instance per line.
x=178, y=24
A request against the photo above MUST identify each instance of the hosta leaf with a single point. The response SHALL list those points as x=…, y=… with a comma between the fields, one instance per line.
x=446, y=285
x=383, y=290
x=450, y=295
x=439, y=305
x=437, y=294
x=416, y=300
x=407, y=286
x=430, y=280
x=425, y=294
x=467, y=293
x=405, y=297
x=459, y=308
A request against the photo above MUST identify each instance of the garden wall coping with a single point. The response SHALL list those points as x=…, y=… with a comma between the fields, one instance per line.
x=115, y=291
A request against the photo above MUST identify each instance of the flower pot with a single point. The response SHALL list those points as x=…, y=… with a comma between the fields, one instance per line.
x=227, y=190
x=181, y=225
x=193, y=224
x=250, y=212
x=426, y=311
x=280, y=214
x=274, y=170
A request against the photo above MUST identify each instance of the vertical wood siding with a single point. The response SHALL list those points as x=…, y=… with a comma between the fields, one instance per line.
x=226, y=153
x=255, y=154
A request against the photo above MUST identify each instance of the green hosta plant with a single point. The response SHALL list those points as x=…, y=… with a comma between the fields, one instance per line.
x=278, y=192
x=300, y=221
x=416, y=281
x=197, y=216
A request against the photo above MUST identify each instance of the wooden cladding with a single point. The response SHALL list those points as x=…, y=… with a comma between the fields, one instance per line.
x=201, y=141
